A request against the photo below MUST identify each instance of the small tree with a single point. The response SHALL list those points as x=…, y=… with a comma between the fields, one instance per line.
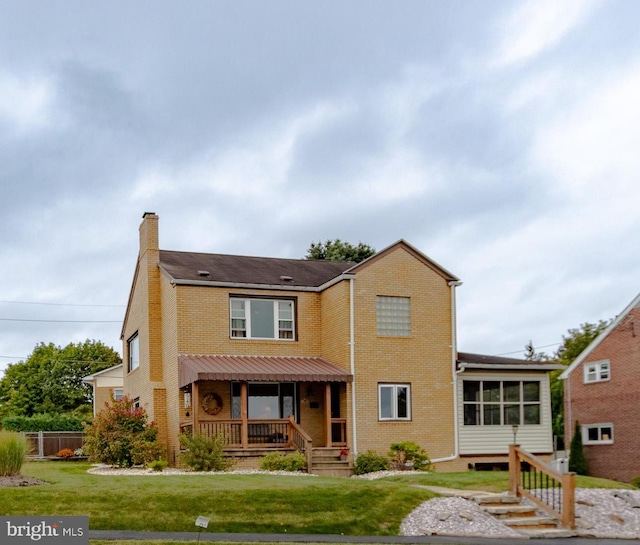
x=577, y=459
x=120, y=435
x=409, y=454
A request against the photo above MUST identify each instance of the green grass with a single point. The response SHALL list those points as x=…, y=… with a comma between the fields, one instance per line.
x=238, y=503
x=234, y=503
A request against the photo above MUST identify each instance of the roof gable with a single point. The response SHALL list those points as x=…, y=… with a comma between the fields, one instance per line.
x=403, y=244
x=600, y=338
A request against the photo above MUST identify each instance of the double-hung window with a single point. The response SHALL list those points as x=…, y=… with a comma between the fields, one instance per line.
x=394, y=401
x=597, y=371
x=597, y=434
x=262, y=318
x=496, y=402
x=133, y=348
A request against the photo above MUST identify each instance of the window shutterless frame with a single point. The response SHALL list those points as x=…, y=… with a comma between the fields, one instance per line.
x=394, y=402
x=133, y=352
x=262, y=318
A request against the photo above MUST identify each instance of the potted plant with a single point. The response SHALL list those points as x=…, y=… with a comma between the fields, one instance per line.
x=343, y=454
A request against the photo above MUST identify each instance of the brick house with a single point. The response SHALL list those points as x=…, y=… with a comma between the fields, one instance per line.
x=601, y=392
x=321, y=356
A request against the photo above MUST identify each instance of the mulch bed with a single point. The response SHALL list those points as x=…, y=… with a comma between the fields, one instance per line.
x=19, y=480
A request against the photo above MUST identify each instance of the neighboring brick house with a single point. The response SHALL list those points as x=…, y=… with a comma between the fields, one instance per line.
x=272, y=352
x=602, y=392
x=107, y=385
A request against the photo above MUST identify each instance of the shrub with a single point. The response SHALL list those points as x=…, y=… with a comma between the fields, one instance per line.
x=370, y=461
x=635, y=482
x=120, y=435
x=158, y=465
x=204, y=453
x=577, y=459
x=409, y=454
x=43, y=422
x=13, y=449
x=275, y=461
x=65, y=453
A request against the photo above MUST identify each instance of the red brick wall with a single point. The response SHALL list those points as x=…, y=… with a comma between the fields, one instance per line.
x=615, y=401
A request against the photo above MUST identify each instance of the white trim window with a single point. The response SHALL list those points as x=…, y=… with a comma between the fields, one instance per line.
x=597, y=371
x=394, y=402
x=118, y=394
x=133, y=349
x=393, y=316
x=261, y=318
x=501, y=403
x=597, y=434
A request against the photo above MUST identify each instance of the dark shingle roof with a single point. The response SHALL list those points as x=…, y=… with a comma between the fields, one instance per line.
x=480, y=361
x=234, y=269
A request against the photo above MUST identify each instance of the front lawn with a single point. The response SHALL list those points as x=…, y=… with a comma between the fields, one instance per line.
x=239, y=503
x=234, y=503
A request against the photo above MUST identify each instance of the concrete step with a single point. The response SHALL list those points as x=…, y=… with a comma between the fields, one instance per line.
x=496, y=499
x=509, y=510
x=336, y=471
x=518, y=523
x=546, y=533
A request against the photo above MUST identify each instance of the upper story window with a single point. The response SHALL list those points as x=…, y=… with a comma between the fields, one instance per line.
x=393, y=316
x=133, y=349
x=262, y=318
x=495, y=402
x=597, y=371
x=597, y=434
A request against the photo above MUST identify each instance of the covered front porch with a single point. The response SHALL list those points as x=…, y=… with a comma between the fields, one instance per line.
x=259, y=403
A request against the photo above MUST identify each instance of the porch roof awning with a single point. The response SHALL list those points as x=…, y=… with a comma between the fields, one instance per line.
x=192, y=368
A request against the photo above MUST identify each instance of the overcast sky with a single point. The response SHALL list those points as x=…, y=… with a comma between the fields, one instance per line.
x=500, y=138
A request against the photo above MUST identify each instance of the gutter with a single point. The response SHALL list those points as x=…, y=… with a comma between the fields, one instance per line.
x=511, y=367
x=454, y=374
x=352, y=361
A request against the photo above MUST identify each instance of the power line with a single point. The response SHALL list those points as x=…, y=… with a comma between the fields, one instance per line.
x=63, y=321
x=59, y=304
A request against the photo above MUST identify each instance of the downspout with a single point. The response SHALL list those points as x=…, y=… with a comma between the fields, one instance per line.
x=352, y=361
x=454, y=374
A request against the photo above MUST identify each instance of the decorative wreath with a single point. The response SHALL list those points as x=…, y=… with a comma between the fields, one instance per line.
x=212, y=403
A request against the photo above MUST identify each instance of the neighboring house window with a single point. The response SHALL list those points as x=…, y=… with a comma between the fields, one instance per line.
x=394, y=402
x=262, y=318
x=136, y=403
x=393, y=316
x=597, y=434
x=597, y=371
x=134, y=352
x=496, y=402
x=118, y=393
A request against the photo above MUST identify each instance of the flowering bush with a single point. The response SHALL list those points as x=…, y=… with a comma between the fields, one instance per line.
x=120, y=435
x=65, y=453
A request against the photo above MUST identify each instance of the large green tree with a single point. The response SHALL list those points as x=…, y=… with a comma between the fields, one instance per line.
x=50, y=380
x=337, y=250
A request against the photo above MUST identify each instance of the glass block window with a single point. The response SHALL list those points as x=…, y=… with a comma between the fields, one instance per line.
x=393, y=316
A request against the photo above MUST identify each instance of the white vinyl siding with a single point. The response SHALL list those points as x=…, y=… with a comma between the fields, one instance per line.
x=495, y=439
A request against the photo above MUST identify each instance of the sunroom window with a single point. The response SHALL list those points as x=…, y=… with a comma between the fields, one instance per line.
x=496, y=402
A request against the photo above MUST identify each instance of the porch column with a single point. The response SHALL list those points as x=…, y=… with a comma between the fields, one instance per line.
x=243, y=414
x=327, y=414
x=195, y=405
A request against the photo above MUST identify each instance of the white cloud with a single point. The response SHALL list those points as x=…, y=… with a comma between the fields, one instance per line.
x=25, y=103
x=538, y=25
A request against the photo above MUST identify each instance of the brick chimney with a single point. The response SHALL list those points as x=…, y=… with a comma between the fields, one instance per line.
x=149, y=233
